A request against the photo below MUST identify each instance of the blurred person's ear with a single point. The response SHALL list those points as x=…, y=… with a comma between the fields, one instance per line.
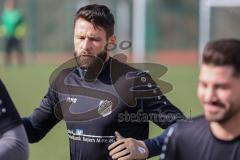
x=112, y=39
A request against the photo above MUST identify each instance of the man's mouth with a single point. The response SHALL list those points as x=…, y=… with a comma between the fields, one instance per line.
x=85, y=56
x=214, y=106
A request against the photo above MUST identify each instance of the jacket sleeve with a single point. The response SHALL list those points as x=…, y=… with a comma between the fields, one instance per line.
x=157, y=145
x=161, y=111
x=169, y=150
x=39, y=123
x=13, y=143
x=153, y=102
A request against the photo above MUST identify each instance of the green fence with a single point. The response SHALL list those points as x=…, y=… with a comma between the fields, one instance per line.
x=170, y=24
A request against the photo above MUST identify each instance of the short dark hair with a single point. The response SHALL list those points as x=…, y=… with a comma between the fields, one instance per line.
x=98, y=15
x=223, y=52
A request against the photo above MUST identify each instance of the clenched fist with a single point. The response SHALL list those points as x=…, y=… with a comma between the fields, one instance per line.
x=127, y=149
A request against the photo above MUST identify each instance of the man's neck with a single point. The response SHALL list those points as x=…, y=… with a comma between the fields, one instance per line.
x=228, y=130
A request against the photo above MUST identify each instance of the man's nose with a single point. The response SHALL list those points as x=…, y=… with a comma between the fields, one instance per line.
x=86, y=44
x=210, y=94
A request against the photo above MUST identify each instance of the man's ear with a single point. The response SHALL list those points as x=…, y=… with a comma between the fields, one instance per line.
x=111, y=43
x=112, y=39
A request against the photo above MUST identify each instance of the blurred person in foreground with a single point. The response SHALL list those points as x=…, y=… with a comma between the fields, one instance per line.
x=98, y=94
x=13, y=138
x=13, y=30
x=212, y=136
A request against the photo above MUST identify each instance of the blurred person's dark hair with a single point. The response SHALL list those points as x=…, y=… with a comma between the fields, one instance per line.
x=99, y=16
x=223, y=52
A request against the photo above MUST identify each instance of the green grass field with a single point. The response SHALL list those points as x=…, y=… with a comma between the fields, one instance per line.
x=28, y=84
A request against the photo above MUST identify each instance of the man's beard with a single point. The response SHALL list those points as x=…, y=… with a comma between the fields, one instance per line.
x=86, y=61
x=223, y=117
x=91, y=64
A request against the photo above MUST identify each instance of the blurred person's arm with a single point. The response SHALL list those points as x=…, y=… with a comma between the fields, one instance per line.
x=21, y=27
x=1, y=30
x=14, y=144
x=157, y=144
x=13, y=139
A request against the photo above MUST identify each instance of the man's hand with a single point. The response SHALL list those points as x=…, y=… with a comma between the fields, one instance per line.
x=127, y=149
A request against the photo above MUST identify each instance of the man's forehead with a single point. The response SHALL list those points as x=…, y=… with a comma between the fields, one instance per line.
x=84, y=24
x=85, y=28
x=88, y=34
x=213, y=72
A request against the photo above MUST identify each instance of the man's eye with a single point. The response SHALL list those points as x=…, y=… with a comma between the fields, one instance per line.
x=203, y=85
x=80, y=37
x=94, y=39
x=222, y=86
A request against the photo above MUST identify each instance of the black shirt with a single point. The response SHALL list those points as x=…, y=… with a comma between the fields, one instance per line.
x=9, y=117
x=194, y=140
x=119, y=99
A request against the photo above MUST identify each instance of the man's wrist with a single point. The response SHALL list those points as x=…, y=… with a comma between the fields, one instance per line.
x=143, y=149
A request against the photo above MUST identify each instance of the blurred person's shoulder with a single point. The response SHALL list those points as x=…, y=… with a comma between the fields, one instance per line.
x=190, y=127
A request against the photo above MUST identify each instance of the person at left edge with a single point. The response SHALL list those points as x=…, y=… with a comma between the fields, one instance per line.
x=13, y=138
x=94, y=107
